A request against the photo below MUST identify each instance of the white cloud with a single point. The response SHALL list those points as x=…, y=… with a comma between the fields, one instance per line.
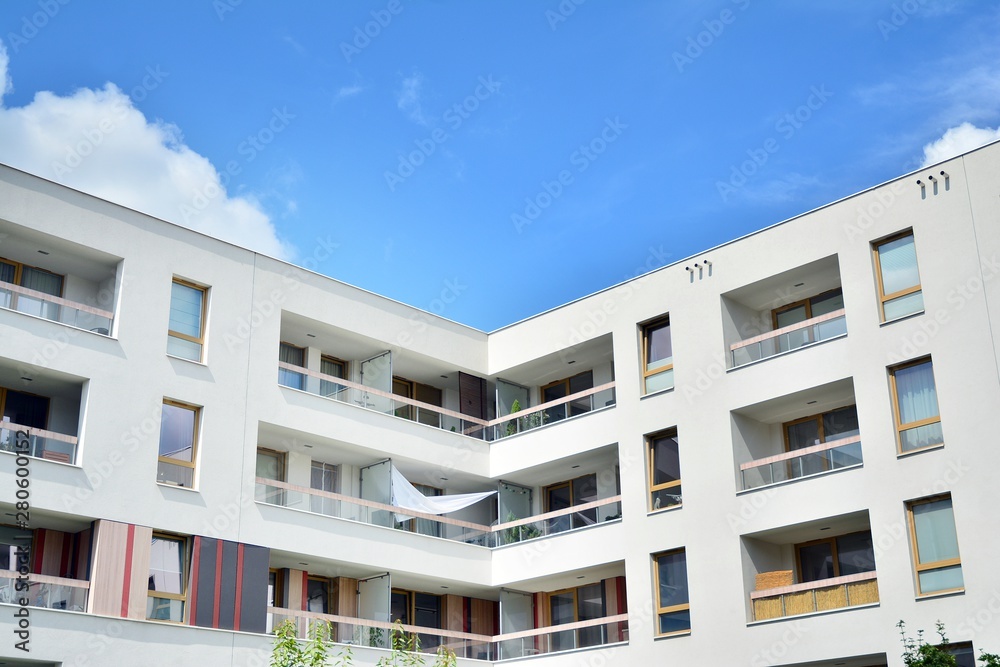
x=97, y=141
x=408, y=98
x=348, y=91
x=5, y=83
x=958, y=140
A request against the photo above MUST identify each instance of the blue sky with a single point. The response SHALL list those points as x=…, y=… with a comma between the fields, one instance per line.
x=517, y=155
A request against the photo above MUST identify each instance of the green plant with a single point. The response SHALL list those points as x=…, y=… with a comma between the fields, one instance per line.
x=917, y=652
x=405, y=649
x=517, y=533
x=288, y=652
x=512, y=424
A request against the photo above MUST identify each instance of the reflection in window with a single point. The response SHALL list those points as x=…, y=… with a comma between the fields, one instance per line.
x=898, y=277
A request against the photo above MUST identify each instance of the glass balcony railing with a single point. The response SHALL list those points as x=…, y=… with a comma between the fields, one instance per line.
x=29, y=441
x=538, y=641
x=353, y=393
x=815, y=596
x=57, y=309
x=815, y=460
x=44, y=591
x=282, y=494
x=815, y=330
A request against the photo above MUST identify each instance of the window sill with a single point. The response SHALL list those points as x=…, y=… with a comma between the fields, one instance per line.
x=941, y=594
x=190, y=361
x=902, y=317
x=671, y=635
x=165, y=485
x=665, y=509
x=919, y=450
x=656, y=393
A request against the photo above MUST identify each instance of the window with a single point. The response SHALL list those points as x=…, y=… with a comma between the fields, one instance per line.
x=31, y=278
x=275, y=595
x=296, y=356
x=673, y=605
x=835, y=556
x=584, y=603
x=657, y=356
x=271, y=465
x=324, y=477
x=915, y=404
x=816, y=429
x=187, y=321
x=898, y=279
x=568, y=494
x=934, y=541
x=178, y=444
x=420, y=609
x=167, y=579
x=800, y=311
x=964, y=654
x=664, y=470
x=565, y=387
x=318, y=595
x=337, y=368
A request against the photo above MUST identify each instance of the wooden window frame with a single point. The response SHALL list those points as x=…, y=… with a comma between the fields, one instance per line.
x=282, y=457
x=919, y=567
x=656, y=593
x=899, y=426
x=651, y=469
x=834, y=551
x=279, y=587
x=200, y=339
x=807, y=302
x=327, y=588
x=567, y=483
x=193, y=464
x=647, y=327
x=19, y=268
x=185, y=573
x=335, y=360
x=882, y=296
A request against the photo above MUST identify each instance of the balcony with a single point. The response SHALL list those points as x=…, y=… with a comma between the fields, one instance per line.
x=809, y=568
x=56, y=280
x=786, y=312
x=815, y=596
x=340, y=506
x=40, y=411
x=547, y=640
x=44, y=591
x=800, y=435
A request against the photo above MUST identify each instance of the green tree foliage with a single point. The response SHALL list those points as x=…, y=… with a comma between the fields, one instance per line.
x=917, y=652
x=288, y=652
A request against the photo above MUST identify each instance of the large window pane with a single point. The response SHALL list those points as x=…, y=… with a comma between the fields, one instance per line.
x=658, y=356
x=166, y=566
x=934, y=524
x=916, y=402
x=177, y=426
x=898, y=263
x=186, y=305
x=855, y=553
x=672, y=592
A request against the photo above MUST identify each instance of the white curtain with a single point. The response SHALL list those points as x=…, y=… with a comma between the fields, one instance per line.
x=406, y=495
x=916, y=393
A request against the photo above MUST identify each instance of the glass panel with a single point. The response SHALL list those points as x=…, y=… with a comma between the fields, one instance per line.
x=677, y=621
x=904, y=305
x=165, y=609
x=898, y=263
x=26, y=409
x=659, y=351
x=563, y=610
x=558, y=498
x=816, y=562
x=335, y=368
x=793, y=339
x=922, y=436
x=585, y=491
x=168, y=473
x=841, y=423
x=915, y=393
x=295, y=356
x=578, y=383
x=7, y=272
x=376, y=485
x=946, y=578
x=185, y=349
x=377, y=374
x=166, y=565
x=317, y=596
x=934, y=523
x=804, y=434
x=269, y=465
x=590, y=605
x=666, y=460
x=964, y=654
x=855, y=553
x=667, y=497
x=515, y=616
x=427, y=614
x=672, y=575
x=323, y=477
x=662, y=380
x=185, y=309
x=826, y=304
x=177, y=432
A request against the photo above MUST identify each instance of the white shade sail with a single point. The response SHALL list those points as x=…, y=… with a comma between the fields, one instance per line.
x=406, y=495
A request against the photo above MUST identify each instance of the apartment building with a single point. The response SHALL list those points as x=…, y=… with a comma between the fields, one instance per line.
x=766, y=454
